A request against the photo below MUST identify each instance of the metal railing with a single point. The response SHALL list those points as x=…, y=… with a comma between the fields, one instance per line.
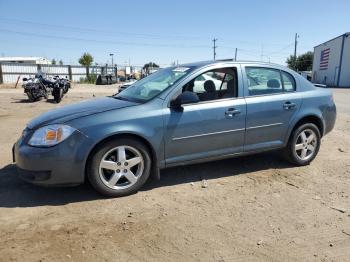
x=15, y=72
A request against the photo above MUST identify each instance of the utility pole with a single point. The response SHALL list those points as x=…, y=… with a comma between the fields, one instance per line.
x=214, y=47
x=116, y=68
x=112, y=58
x=236, y=54
x=295, y=50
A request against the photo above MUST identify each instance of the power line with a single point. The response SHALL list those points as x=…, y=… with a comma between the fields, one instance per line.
x=101, y=41
x=281, y=50
x=109, y=32
x=244, y=51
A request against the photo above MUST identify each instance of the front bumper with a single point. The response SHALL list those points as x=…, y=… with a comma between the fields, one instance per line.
x=63, y=164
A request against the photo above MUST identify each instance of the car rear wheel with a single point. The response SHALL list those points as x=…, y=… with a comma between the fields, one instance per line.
x=119, y=167
x=303, y=145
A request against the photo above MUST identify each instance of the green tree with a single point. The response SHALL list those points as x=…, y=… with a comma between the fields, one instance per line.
x=60, y=62
x=53, y=61
x=291, y=62
x=86, y=59
x=302, y=62
x=150, y=65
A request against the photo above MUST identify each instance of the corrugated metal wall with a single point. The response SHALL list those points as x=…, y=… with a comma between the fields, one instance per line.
x=330, y=75
x=9, y=72
x=55, y=70
x=78, y=72
x=344, y=80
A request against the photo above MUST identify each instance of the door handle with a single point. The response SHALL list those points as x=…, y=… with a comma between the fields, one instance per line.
x=289, y=105
x=230, y=112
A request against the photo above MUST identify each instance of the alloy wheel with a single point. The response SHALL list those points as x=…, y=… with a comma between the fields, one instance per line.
x=121, y=167
x=306, y=144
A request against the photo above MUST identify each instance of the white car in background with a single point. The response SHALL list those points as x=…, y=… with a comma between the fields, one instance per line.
x=200, y=80
x=126, y=85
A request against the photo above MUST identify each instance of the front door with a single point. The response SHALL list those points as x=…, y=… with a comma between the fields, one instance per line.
x=213, y=127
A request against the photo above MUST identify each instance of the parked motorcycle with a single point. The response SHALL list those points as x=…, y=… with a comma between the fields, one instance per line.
x=61, y=88
x=41, y=87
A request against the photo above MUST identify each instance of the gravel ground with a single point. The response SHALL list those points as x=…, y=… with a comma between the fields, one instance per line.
x=256, y=208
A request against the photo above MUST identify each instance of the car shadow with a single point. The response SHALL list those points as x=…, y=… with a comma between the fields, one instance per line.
x=16, y=193
x=217, y=169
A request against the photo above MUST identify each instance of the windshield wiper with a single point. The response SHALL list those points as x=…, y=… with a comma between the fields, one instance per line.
x=121, y=98
x=134, y=100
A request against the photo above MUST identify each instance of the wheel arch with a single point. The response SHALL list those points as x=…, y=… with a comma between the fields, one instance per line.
x=311, y=118
x=154, y=165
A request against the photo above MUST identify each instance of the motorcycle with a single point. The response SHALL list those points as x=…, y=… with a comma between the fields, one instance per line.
x=40, y=87
x=61, y=87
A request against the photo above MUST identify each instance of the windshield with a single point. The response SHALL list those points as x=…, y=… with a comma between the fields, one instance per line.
x=40, y=74
x=149, y=87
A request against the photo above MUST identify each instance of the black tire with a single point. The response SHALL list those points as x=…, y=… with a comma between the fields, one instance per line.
x=58, y=94
x=290, y=152
x=65, y=88
x=33, y=96
x=30, y=97
x=93, y=167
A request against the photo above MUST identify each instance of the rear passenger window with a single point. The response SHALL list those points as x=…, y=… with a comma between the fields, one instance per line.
x=288, y=82
x=262, y=81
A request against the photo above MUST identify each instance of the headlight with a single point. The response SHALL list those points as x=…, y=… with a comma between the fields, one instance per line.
x=50, y=135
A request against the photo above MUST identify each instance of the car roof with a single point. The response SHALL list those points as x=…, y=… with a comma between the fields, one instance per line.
x=231, y=62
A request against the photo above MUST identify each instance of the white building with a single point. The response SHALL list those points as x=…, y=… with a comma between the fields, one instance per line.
x=331, y=65
x=25, y=60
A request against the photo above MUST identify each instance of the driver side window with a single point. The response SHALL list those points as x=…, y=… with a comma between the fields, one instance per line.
x=214, y=85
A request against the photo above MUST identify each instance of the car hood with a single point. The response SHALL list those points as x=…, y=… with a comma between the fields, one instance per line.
x=70, y=112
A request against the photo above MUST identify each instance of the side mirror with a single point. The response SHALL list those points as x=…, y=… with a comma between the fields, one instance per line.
x=25, y=79
x=184, y=98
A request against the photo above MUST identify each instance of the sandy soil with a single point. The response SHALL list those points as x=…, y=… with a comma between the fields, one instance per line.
x=256, y=208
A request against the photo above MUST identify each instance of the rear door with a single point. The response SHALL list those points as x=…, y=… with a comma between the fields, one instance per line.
x=272, y=101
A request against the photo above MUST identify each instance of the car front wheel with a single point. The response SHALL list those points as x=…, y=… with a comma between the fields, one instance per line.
x=303, y=145
x=119, y=167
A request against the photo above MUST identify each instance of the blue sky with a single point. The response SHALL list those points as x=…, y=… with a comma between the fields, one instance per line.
x=167, y=31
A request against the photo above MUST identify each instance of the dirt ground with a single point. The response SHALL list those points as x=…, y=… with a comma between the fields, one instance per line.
x=256, y=208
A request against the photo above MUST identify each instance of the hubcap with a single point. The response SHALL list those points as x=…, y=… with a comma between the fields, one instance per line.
x=306, y=144
x=121, y=167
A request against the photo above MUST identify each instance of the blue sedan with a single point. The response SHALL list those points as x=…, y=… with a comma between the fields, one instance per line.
x=180, y=115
